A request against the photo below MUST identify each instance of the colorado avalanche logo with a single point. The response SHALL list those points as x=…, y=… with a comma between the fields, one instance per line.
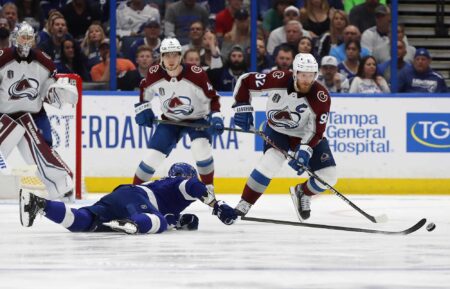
x=24, y=88
x=178, y=105
x=322, y=96
x=283, y=118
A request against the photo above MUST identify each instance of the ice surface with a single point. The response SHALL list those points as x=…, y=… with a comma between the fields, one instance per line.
x=245, y=255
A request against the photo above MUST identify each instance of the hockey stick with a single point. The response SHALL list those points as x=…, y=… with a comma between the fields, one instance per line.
x=198, y=126
x=410, y=230
x=378, y=219
x=375, y=219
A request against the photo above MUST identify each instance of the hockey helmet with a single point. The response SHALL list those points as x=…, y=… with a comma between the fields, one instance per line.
x=305, y=62
x=23, y=38
x=170, y=45
x=182, y=170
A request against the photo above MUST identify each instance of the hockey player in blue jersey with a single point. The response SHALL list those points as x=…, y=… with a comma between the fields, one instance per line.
x=151, y=207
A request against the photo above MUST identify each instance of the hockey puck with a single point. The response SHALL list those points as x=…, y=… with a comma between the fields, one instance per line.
x=431, y=227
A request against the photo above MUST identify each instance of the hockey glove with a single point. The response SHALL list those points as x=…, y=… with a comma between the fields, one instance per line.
x=216, y=122
x=224, y=212
x=243, y=115
x=187, y=222
x=144, y=114
x=302, y=155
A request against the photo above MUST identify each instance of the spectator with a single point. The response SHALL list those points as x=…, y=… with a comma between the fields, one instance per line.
x=91, y=43
x=192, y=56
x=179, y=17
x=80, y=14
x=351, y=32
x=196, y=33
x=330, y=77
x=72, y=60
x=420, y=77
x=49, y=6
x=29, y=11
x=363, y=15
x=210, y=54
x=100, y=71
x=130, y=80
x=378, y=34
x=382, y=51
x=336, y=4
x=264, y=61
x=384, y=68
x=349, y=4
x=225, y=18
x=225, y=78
x=367, y=80
x=315, y=17
x=239, y=34
x=305, y=45
x=44, y=34
x=9, y=11
x=152, y=31
x=293, y=35
x=4, y=33
x=274, y=17
x=58, y=32
x=349, y=67
x=131, y=17
x=335, y=36
x=278, y=36
x=284, y=57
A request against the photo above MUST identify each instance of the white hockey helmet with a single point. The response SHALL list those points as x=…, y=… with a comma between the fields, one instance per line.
x=305, y=62
x=170, y=45
x=23, y=38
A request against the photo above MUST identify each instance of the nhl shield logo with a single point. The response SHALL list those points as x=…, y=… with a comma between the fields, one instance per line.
x=10, y=74
x=161, y=91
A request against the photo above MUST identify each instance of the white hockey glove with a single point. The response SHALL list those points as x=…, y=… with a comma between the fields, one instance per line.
x=61, y=92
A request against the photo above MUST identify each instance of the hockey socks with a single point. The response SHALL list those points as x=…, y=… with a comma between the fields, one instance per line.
x=149, y=223
x=75, y=220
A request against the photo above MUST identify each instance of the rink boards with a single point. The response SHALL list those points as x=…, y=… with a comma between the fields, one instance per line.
x=381, y=145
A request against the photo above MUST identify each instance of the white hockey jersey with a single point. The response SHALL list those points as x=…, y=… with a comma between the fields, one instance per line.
x=129, y=20
x=189, y=96
x=303, y=116
x=24, y=82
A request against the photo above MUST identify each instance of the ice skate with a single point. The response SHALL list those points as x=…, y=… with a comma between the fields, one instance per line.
x=242, y=208
x=302, y=202
x=30, y=206
x=124, y=226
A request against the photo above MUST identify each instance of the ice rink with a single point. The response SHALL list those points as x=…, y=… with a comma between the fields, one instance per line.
x=245, y=255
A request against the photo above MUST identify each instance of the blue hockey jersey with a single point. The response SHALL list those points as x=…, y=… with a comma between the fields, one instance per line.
x=409, y=80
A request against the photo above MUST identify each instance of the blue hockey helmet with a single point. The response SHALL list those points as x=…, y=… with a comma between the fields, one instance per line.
x=182, y=170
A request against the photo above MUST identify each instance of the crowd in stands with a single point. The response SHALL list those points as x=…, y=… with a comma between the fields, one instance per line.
x=350, y=39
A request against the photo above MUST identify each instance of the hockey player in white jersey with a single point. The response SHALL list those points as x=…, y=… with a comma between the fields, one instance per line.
x=27, y=79
x=185, y=95
x=297, y=112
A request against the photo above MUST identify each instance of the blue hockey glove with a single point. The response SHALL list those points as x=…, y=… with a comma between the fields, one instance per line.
x=302, y=155
x=144, y=114
x=243, y=115
x=224, y=212
x=187, y=222
x=216, y=122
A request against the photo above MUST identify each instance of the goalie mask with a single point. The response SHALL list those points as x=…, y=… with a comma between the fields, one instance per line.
x=305, y=62
x=23, y=39
x=170, y=46
x=182, y=170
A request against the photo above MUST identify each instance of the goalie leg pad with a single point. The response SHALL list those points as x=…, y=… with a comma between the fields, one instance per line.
x=202, y=152
x=52, y=170
x=148, y=166
x=10, y=134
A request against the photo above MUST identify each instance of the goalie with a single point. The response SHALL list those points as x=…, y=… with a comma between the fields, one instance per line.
x=27, y=79
x=149, y=208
